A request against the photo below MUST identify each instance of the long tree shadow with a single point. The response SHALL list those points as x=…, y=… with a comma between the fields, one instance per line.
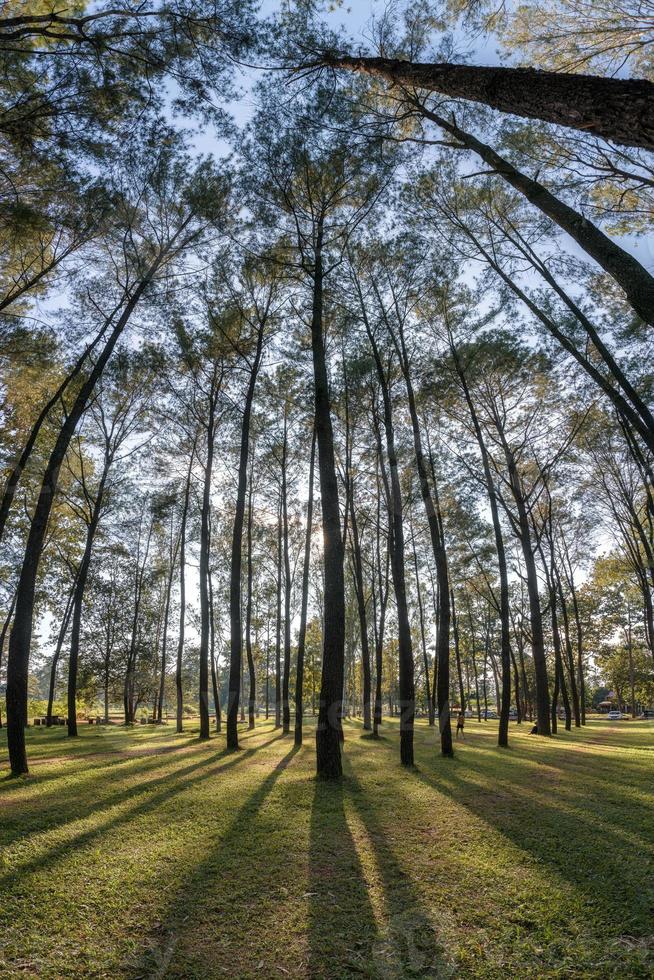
x=342, y=927
x=536, y=818
x=60, y=803
x=185, y=944
x=409, y=944
x=177, y=782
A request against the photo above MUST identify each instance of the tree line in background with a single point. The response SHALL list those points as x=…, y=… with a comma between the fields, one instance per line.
x=353, y=420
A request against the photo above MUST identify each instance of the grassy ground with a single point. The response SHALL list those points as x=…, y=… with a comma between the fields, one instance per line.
x=147, y=854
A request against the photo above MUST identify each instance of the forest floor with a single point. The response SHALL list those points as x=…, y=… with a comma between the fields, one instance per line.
x=148, y=854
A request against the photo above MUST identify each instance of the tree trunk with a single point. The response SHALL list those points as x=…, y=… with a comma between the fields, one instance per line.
x=570, y=660
x=535, y=615
x=615, y=109
x=212, y=655
x=236, y=630
x=405, y=645
x=423, y=638
x=14, y=477
x=286, y=708
x=301, y=640
x=205, y=546
x=21, y=635
x=504, y=610
x=380, y=593
x=434, y=521
x=182, y=595
x=328, y=729
x=359, y=589
x=3, y=637
x=457, y=652
x=278, y=619
x=248, y=612
x=164, y=639
x=68, y=611
x=78, y=597
x=129, y=703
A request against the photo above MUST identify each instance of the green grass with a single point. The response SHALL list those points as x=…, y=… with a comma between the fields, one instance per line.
x=146, y=854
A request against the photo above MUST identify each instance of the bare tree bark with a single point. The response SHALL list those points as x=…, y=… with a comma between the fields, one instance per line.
x=328, y=730
x=615, y=109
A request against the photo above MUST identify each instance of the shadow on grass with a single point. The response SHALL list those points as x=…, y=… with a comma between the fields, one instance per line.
x=408, y=944
x=342, y=929
x=176, y=782
x=591, y=840
x=185, y=944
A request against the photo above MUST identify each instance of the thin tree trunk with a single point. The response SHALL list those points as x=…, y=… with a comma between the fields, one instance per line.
x=570, y=660
x=535, y=615
x=405, y=645
x=423, y=638
x=286, y=708
x=435, y=523
x=63, y=629
x=3, y=637
x=164, y=639
x=212, y=654
x=278, y=620
x=248, y=611
x=504, y=611
x=78, y=596
x=205, y=547
x=359, y=589
x=236, y=630
x=301, y=640
x=182, y=595
x=457, y=652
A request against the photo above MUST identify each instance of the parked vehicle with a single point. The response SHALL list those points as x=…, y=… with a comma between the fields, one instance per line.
x=489, y=715
x=615, y=716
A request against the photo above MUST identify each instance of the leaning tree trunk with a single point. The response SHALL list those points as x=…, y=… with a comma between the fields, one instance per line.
x=629, y=274
x=17, y=470
x=617, y=109
x=20, y=640
x=301, y=640
x=328, y=729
